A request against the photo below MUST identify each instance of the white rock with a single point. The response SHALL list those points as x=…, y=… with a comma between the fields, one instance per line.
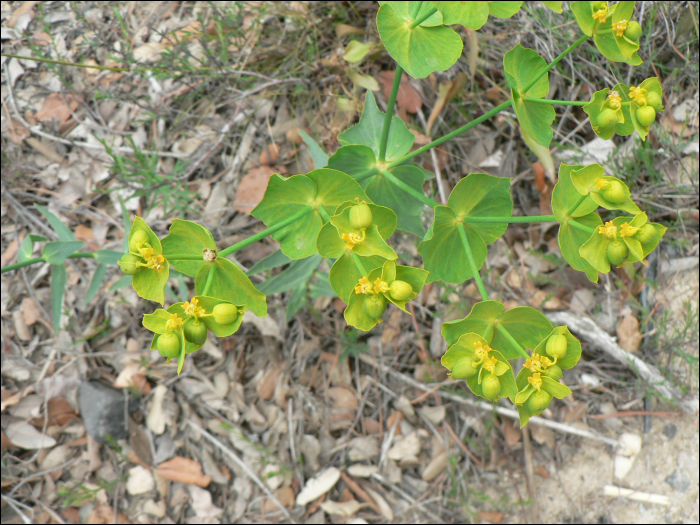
x=140, y=480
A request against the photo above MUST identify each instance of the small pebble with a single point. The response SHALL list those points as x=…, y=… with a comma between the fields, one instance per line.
x=678, y=480
x=670, y=431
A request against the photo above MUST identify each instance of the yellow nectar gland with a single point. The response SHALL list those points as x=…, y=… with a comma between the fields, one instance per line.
x=620, y=27
x=380, y=286
x=535, y=380
x=614, y=99
x=490, y=363
x=546, y=361
x=601, y=183
x=192, y=308
x=628, y=231
x=639, y=95
x=174, y=322
x=364, y=286
x=481, y=352
x=351, y=239
x=609, y=230
x=601, y=15
x=153, y=261
x=534, y=364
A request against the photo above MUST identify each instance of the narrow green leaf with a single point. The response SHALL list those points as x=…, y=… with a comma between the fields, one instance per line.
x=274, y=260
x=57, y=225
x=319, y=156
x=298, y=272
x=25, y=249
x=121, y=283
x=296, y=300
x=97, y=279
x=58, y=288
x=56, y=252
x=108, y=256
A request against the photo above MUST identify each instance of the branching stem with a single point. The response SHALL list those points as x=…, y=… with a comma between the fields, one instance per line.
x=472, y=263
x=502, y=330
x=389, y=113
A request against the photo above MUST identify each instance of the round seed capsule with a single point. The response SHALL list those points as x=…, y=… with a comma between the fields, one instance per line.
x=617, y=252
x=196, y=332
x=128, y=264
x=646, y=233
x=633, y=31
x=137, y=239
x=554, y=372
x=225, y=313
x=491, y=386
x=374, y=305
x=607, y=118
x=646, y=115
x=654, y=100
x=400, y=290
x=168, y=345
x=538, y=401
x=615, y=192
x=360, y=216
x=464, y=368
x=556, y=346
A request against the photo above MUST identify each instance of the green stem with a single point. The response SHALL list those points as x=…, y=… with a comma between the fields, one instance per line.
x=578, y=203
x=501, y=329
x=472, y=263
x=87, y=66
x=405, y=187
x=324, y=214
x=553, y=63
x=272, y=229
x=358, y=264
x=210, y=279
x=389, y=113
x=422, y=19
x=581, y=227
x=559, y=102
x=511, y=220
x=34, y=260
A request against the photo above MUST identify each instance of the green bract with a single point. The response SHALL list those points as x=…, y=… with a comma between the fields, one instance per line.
x=152, y=268
x=591, y=180
x=189, y=247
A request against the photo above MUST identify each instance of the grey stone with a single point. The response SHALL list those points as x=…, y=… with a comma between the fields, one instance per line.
x=102, y=409
x=678, y=480
x=670, y=431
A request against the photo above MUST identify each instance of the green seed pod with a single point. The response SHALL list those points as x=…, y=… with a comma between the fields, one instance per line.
x=554, y=372
x=538, y=401
x=464, y=368
x=128, y=264
x=400, y=290
x=556, y=346
x=168, y=345
x=646, y=115
x=196, y=332
x=137, y=239
x=615, y=192
x=225, y=313
x=646, y=233
x=617, y=252
x=654, y=100
x=374, y=305
x=633, y=31
x=607, y=118
x=360, y=216
x=491, y=386
x=597, y=6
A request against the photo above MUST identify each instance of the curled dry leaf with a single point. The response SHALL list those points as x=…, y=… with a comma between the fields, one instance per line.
x=30, y=311
x=342, y=397
x=184, y=470
x=251, y=190
x=23, y=435
x=446, y=91
x=407, y=98
x=345, y=509
x=435, y=467
x=628, y=333
x=318, y=486
x=269, y=155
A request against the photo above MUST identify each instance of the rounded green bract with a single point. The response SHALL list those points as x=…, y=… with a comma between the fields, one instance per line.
x=615, y=192
x=646, y=233
x=646, y=115
x=556, y=346
x=361, y=216
x=128, y=264
x=400, y=290
x=374, y=305
x=597, y=6
x=168, y=345
x=654, y=100
x=196, y=332
x=617, y=252
x=225, y=313
x=491, y=386
x=464, y=368
x=607, y=118
x=137, y=239
x=538, y=401
x=554, y=372
x=633, y=31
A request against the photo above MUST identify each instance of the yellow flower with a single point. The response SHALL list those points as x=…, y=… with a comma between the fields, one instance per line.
x=628, y=231
x=601, y=183
x=619, y=27
x=601, y=15
x=639, y=95
x=533, y=363
x=490, y=363
x=193, y=308
x=609, y=230
x=481, y=351
x=380, y=286
x=156, y=262
x=614, y=99
x=535, y=380
x=146, y=252
x=174, y=322
x=351, y=239
x=364, y=286
x=546, y=362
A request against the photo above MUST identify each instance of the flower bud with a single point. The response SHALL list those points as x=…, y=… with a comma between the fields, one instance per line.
x=491, y=386
x=633, y=31
x=360, y=216
x=128, y=264
x=646, y=115
x=556, y=346
x=225, y=313
x=615, y=192
x=646, y=233
x=374, y=305
x=400, y=290
x=196, y=332
x=137, y=239
x=607, y=118
x=168, y=345
x=617, y=252
x=554, y=372
x=538, y=401
x=464, y=368
x=654, y=100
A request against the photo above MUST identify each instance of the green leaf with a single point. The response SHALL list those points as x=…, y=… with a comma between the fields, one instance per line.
x=472, y=15
x=573, y=348
x=624, y=11
x=383, y=217
x=123, y=282
x=421, y=50
x=480, y=321
x=368, y=132
x=108, y=256
x=390, y=272
x=296, y=300
x=506, y=9
x=58, y=288
x=356, y=51
x=554, y=6
x=605, y=41
x=299, y=272
x=344, y=274
x=155, y=322
x=319, y=156
x=572, y=239
x=230, y=284
x=584, y=180
x=189, y=239
x=355, y=314
x=150, y=283
x=595, y=251
x=63, y=231
x=584, y=16
x=566, y=200
x=97, y=279
x=208, y=303
x=56, y=252
x=650, y=84
x=411, y=11
x=599, y=103
x=321, y=286
x=274, y=260
x=463, y=347
x=507, y=379
x=555, y=388
x=25, y=250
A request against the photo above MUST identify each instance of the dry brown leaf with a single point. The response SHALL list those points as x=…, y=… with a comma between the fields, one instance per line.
x=678, y=128
x=446, y=91
x=284, y=495
x=21, y=329
x=628, y=334
x=342, y=397
x=10, y=252
x=435, y=467
x=407, y=98
x=269, y=155
x=57, y=106
x=17, y=133
x=511, y=432
x=360, y=492
x=318, y=486
x=5, y=441
x=83, y=233
x=60, y=412
x=184, y=470
x=25, y=8
x=71, y=515
x=541, y=471
x=344, y=509
x=252, y=187
x=344, y=30
x=266, y=386
x=392, y=327
x=390, y=421
x=543, y=435
x=30, y=311
x=492, y=516
x=105, y=514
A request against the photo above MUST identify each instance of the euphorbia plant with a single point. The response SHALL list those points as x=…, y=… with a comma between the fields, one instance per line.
x=348, y=208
